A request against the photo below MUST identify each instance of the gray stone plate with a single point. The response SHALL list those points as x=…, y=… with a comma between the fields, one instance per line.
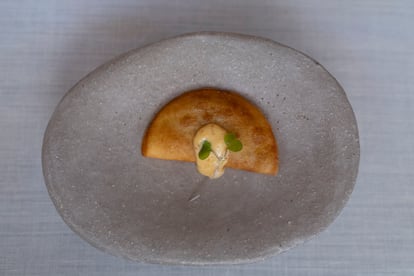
x=138, y=208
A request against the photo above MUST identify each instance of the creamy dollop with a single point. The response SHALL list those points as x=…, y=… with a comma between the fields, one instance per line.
x=213, y=165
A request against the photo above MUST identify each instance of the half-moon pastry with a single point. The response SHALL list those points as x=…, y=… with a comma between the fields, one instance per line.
x=170, y=135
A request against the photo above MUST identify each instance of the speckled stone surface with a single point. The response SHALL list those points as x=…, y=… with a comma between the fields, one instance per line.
x=138, y=208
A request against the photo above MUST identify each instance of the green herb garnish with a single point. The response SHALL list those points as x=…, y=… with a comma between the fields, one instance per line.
x=205, y=150
x=232, y=142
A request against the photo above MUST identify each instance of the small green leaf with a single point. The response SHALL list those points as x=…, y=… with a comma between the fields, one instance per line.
x=235, y=146
x=232, y=142
x=205, y=150
x=229, y=138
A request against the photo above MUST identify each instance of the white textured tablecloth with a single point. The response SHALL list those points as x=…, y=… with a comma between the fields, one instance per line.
x=47, y=46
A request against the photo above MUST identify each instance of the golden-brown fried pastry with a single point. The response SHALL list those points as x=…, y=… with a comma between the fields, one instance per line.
x=170, y=135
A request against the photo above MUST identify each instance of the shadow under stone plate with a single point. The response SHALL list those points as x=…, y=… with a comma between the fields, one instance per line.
x=138, y=208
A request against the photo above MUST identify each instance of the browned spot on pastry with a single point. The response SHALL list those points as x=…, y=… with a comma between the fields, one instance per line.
x=187, y=120
x=207, y=116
